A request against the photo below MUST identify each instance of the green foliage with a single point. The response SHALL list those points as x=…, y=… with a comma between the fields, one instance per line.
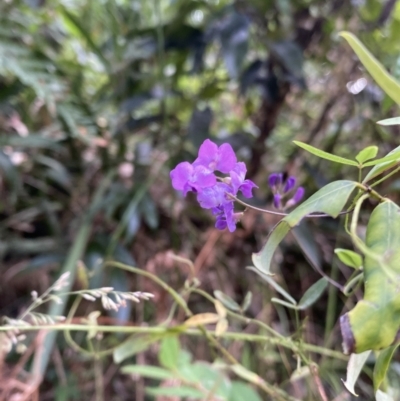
x=349, y=258
x=98, y=100
x=388, y=84
x=330, y=199
x=375, y=321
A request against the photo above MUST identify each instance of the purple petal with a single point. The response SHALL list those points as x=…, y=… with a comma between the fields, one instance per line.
x=298, y=196
x=230, y=217
x=212, y=197
x=226, y=159
x=277, y=201
x=180, y=175
x=208, y=152
x=220, y=223
x=275, y=179
x=247, y=187
x=289, y=184
x=203, y=177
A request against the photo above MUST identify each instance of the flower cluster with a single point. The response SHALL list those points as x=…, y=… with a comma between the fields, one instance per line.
x=213, y=191
x=282, y=186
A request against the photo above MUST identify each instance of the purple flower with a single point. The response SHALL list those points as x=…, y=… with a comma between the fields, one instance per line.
x=211, y=156
x=225, y=217
x=289, y=184
x=275, y=180
x=297, y=197
x=186, y=177
x=213, y=192
x=238, y=181
x=214, y=196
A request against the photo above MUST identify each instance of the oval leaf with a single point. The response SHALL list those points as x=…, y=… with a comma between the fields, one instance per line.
x=366, y=154
x=330, y=199
x=389, y=85
x=325, y=155
x=169, y=352
x=354, y=368
x=221, y=327
x=312, y=294
x=201, y=319
x=247, y=301
x=349, y=258
x=227, y=301
x=374, y=322
x=134, y=345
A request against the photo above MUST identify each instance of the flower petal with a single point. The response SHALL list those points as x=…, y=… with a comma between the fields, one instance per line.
x=180, y=175
x=226, y=158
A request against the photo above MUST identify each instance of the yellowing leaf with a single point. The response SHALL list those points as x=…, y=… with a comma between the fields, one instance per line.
x=220, y=308
x=201, y=319
x=221, y=327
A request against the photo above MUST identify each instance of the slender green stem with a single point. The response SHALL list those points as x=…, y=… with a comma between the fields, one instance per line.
x=228, y=335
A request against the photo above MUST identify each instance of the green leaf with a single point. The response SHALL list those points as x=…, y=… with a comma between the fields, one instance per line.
x=262, y=260
x=354, y=368
x=382, y=365
x=389, y=85
x=382, y=167
x=390, y=157
x=368, y=153
x=375, y=320
x=241, y=391
x=330, y=199
x=325, y=155
x=206, y=376
x=381, y=396
x=181, y=391
x=390, y=121
x=151, y=372
x=134, y=345
x=227, y=301
x=349, y=258
x=312, y=294
x=247, y=301
x=273, y=284
x=169, y=352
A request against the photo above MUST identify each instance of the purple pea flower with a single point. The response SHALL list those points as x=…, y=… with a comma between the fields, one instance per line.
x=297, y=197
x=289, y=184
x=212, y=192
x=211, y=156
x=214, y=196
x=275, y=180
x=225, y=217
x=238, y=181
x=282, y=186
x=186, y=177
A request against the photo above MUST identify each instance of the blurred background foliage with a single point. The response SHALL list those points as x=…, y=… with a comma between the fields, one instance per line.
x=100, y=99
